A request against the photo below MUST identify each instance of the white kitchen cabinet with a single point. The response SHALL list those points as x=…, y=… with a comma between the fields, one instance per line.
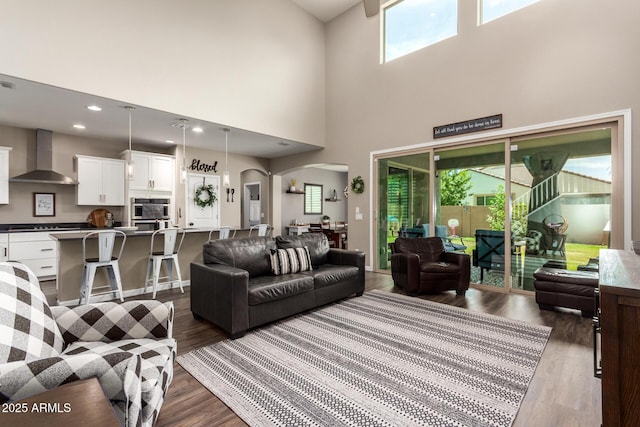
x=153, y=172
x=100, y=181
x=4, y=247
x=37, y=250
x=4, y=175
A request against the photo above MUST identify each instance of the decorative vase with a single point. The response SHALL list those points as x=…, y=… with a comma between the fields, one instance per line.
x=292, y=188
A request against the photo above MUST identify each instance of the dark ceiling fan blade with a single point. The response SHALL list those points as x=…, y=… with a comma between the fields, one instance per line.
x=371, y=7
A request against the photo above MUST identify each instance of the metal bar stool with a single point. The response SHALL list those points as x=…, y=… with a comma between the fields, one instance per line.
x=105, y=240
x=172, y=239
x=261, y=230
x=224, y=232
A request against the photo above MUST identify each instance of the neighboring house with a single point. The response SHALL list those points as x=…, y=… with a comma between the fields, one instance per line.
x=579, y=196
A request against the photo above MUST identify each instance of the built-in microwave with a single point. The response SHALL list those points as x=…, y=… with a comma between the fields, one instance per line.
x=149, y=224
x=150, y=209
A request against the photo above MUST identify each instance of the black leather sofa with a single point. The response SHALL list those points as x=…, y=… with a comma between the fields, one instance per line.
x=234, y=287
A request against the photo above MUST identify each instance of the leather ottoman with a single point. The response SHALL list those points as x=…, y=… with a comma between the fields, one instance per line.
x=557, y=287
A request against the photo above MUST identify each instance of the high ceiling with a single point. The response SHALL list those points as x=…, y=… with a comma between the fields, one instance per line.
x=33, y=105
x=326, y=10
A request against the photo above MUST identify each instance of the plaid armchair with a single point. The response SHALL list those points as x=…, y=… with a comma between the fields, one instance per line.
x=127, y=346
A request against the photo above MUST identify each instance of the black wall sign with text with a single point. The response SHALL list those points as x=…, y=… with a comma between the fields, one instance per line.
x=199, y=166
x=468, y=126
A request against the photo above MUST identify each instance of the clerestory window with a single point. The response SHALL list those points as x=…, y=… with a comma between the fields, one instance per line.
x=410, y=25
x=494, y=9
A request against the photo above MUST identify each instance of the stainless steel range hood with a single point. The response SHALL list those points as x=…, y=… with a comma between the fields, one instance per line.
x=44, y=173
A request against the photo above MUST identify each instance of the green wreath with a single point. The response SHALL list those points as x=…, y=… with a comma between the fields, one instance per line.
x=210, y=198
x=357, y=185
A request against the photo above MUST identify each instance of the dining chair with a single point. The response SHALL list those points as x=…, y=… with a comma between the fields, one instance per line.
x=224, y=232
x=332, y=237
x=341, y=230
x=315, y=227
x=172, y=239
x=261, y=230
x=105, y=241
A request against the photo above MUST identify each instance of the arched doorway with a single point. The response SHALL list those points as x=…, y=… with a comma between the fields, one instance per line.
x=255, y=200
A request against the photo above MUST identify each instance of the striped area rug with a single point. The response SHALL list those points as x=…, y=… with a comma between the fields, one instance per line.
x=380, y=359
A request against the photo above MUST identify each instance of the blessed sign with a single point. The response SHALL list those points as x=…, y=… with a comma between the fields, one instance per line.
x=199, y=166
x=468, y=126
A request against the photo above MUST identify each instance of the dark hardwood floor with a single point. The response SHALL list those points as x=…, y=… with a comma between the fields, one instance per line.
x=563, y=391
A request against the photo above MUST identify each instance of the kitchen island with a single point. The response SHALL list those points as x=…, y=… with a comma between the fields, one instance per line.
x=133, y=263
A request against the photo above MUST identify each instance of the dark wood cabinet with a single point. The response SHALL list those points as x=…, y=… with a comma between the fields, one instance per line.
x=620, y=329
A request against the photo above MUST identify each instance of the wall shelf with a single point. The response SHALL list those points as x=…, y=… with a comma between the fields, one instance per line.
x=295, y=192
x=332, y=200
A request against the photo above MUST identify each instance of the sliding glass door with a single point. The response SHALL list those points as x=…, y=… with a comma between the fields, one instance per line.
x=562, y=207
x=403, y=200
x=470, y=207
x=551, y=199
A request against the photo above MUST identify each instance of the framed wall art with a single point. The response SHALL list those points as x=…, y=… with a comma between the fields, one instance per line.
x=44, y=204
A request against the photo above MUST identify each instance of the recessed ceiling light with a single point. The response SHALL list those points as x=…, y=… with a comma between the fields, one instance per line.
x=198, y=129
x=93, y=108
x=170, y=141
x=79, y=126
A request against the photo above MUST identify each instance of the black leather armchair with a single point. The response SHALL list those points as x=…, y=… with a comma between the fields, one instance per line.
x=422, y=265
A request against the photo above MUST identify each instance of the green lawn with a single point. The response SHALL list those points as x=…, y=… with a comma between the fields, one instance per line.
x=579, y=254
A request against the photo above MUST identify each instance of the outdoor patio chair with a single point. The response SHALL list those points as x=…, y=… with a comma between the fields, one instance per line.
x=489, y=251
x=447, y=241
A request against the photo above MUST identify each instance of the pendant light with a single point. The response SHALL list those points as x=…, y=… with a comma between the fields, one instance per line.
x=183, y=168
x=130, y=174
x=226, y=181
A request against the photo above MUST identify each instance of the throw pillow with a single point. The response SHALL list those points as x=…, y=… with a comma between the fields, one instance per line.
x=291, y=260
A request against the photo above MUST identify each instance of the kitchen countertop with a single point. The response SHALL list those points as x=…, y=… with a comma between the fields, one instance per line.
x=81, y=228
x=81, y=233
x=43, y=227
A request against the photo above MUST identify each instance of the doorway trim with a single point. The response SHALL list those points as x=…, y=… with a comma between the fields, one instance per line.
x=246, y=202
x=621, y=117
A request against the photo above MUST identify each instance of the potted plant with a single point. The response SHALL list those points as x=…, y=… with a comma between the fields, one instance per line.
x=293, y=185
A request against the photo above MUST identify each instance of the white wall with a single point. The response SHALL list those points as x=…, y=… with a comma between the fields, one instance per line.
x=252, y=64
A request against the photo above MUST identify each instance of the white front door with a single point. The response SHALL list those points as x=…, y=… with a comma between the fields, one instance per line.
x=206, y=217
